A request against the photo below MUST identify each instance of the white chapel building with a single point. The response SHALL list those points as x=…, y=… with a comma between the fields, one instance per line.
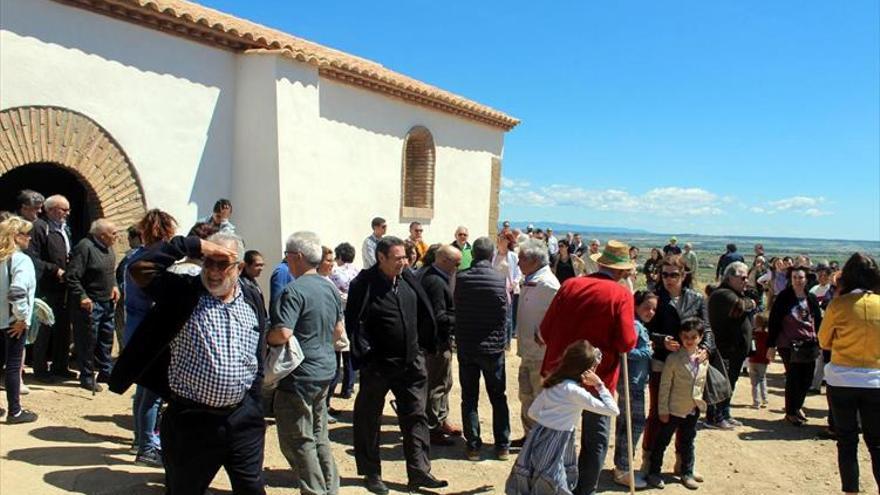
x=126, y=105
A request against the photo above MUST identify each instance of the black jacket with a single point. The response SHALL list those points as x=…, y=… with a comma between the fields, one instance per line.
x=726, y=259
x=49, y=247
x=480, y=310
x=731, y=324
x=91, y=272
x=360, y=296
x=438, y=291
x=667, y=320
x=145, y=358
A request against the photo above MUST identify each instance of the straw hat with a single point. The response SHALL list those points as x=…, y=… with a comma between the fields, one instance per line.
x=615, y=255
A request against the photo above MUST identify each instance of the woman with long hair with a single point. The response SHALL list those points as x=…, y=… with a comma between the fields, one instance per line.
x=851, y=331
x=566, y=265
x=155, y=226
x=675, y=304
x=794, y=320
x=18, y=284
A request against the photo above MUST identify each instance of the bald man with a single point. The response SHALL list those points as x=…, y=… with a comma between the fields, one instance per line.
x=436, y=280
x=50, y=243
x=92, y=296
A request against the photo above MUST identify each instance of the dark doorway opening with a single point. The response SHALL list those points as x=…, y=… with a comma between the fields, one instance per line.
x=49, y=179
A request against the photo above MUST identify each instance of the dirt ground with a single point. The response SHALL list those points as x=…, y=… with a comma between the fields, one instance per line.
x=80, y=444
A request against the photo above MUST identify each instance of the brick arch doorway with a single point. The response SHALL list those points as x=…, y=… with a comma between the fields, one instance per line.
x=49, y=179
x=53, y=150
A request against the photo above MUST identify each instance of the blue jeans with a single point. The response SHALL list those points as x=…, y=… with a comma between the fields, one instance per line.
x=146, y=413
x=637, y=406
x=14, y=354
x=93, y=337
x=470, y=366
x=595, y=432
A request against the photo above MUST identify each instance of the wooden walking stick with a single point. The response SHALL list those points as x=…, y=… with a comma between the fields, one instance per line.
x=628, y=419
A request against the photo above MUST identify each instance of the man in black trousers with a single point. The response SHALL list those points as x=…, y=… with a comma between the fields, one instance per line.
x=51, y=243
x=435, y=280
x=201, y=349
x=391, y=326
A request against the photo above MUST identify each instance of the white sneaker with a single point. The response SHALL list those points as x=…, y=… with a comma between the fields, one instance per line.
x=622, y=478
x=24, y=390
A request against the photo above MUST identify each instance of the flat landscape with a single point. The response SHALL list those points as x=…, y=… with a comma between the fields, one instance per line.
x=80, y=445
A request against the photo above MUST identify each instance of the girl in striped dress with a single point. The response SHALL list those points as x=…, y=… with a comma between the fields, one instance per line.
x=547, y=463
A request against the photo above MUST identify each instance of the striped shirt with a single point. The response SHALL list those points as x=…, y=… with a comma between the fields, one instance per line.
x=214, y=358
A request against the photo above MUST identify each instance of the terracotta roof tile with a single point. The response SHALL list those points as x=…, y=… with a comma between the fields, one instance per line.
x=210, y=26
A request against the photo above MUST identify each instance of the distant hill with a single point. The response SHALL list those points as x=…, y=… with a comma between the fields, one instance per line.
x=568, y=227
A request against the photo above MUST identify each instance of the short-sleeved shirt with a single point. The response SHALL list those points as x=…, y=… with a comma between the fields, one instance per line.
x=311, y=307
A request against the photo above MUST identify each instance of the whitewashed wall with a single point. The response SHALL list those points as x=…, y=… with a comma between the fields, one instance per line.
x=168, y=102
x=292, y=151
x=341, y=163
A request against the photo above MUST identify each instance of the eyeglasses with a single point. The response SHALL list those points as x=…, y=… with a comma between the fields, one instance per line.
x=670, y=274
x=212, y=264
x=419, y=230
x=461, y=234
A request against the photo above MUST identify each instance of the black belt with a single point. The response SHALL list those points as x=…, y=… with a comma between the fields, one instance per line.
x=191, y=405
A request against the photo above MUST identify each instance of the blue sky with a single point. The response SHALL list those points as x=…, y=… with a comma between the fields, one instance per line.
x=745, y=118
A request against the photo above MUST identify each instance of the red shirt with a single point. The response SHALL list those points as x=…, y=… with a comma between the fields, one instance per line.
x=593, y=308
x=760, y=354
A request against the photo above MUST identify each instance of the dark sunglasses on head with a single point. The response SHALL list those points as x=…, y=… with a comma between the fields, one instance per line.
x=670, y=274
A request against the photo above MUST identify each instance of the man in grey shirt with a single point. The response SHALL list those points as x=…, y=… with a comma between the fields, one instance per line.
x=310, y=310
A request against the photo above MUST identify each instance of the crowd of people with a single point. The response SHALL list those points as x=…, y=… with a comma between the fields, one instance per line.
x=197, y=333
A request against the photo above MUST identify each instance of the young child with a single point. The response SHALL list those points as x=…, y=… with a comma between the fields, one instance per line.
x=680, y=403
x=639, y=363
x=548, y=460
x=758, y=362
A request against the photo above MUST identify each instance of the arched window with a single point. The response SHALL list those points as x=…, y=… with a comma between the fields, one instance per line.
x=417, y=195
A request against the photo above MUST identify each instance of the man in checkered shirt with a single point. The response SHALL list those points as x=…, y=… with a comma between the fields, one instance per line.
x=200, y=349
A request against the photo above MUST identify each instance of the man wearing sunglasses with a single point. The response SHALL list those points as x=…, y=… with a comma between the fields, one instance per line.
x=730, y=313
x=200, y=349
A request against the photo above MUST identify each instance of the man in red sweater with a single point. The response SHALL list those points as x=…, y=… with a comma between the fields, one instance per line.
x=600, y=310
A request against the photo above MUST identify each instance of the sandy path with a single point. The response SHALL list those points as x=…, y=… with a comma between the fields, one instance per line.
x=80, y=445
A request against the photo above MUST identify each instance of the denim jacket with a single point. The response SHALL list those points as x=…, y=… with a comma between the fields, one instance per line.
x=639, y=359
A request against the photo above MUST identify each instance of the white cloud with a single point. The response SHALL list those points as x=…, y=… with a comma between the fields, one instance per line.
x=796, y=202
x=804, y=205
x=664, y=201
x=815, y=212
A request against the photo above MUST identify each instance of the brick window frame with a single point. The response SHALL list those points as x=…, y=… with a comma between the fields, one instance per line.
x=417, y=175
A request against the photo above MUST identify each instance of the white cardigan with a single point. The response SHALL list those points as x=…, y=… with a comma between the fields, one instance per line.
x=20, y=293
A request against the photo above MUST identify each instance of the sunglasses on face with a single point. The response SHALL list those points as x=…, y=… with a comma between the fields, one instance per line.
x=212, y=264
x=670, y=274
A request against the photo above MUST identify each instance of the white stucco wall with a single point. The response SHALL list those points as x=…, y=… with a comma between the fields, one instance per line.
x=168, y=102
x=341, y=166
x=292, y=151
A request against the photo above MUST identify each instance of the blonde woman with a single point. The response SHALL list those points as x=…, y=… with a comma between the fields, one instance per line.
x=18, y=284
